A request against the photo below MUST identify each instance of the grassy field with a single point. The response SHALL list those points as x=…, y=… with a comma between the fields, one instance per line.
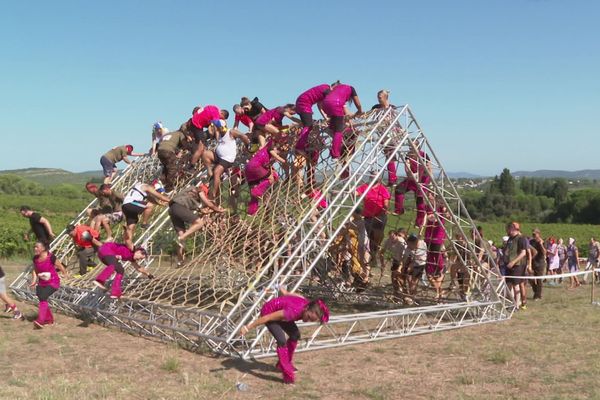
x=546, y=352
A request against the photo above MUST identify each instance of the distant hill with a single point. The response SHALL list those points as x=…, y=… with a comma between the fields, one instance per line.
x=548, y=173
x=54, y=176
x=463, y=175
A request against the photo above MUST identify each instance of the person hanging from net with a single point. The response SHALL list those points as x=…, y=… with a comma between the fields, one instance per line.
x=435, y=236
x=279, y=316
x=140, y=200
x=110, y=159
x=46, y=281
x=413, y=265
x=200, y=122
x=111, y=254
x=334, y=106
x=260, y=174
x=395, y=245
x=86, y=241
x=108, y=211
x=222, y=158
x=270, y=124
x=182, y=210
x=417, y=163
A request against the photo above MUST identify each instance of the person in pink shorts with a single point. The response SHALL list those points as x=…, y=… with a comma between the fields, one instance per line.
x=304, y=105
x=46, y=281
x=422, y=172
x=334, y=105
x=111, y=254
x=260, y=175
x=279, y=315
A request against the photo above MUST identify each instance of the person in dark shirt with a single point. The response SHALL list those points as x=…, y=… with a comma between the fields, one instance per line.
x=252, y=108
x=516, y=262
x=40, y=226
x=383, y=100
x=538, y=262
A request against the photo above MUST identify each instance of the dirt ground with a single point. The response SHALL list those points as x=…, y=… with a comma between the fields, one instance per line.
x=549, y=351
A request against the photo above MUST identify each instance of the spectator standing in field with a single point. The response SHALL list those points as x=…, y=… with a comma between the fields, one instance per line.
x=592, y=260
x=562, y=257
x=9, y=305
x=573, y=262
x=40, y=226
x=110, y=159
x=553, y=261
x=334, y=106
x=516, y=262
x=538, y=263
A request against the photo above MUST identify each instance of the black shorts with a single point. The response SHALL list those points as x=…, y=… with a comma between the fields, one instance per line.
x=336, y=124
x=376, y=223
x=306, y=118
x=132, y=213
x=200, y=135
x=513, y=274
x=258, y=128
x=417, y=271
x=181, y=215
x=223, y=163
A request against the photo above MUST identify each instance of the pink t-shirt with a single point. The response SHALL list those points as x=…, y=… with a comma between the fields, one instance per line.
x=47, y=266
x=244, y=119
x=305, y=101
x=274, y=115
x=434, y=230
x=292, y=306
x=419, y=169
x=115, y=249
x=258, y=166
x=202, y=119
x=333, y=104
x=374, y=202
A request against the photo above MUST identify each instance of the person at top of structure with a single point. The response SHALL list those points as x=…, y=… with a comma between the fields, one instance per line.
x=108, y=211
x=422, y=170
x=279, y=315
x=383, y=100
x=201, y=121
x=241, y=116
x=260, y=174
x=46, y=281
x=334, y=106
x=252, y=108
x=515, y=255
x=112, y=254
x=110, y=159
x=223, y=157
x=9, y=305
x=86, y=241
x=376, y=202
x=270, y=123
x=40, y=226
x=140, y=199
x=182, y=211
x=304, y=106
x=158, y=131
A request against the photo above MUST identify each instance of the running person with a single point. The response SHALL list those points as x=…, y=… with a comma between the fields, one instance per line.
x=138, y=201
x=334, y=106
x=110, y=159
x=111, y=254
x=304, y=105
x=223, y=156
x=46, y=281
x=40, y=226
x=260, y=174
x=9, y=305
x=279, y=316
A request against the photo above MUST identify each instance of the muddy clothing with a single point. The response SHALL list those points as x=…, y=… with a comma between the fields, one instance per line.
x=117, y=154
x=172, y=142
x=109, y=203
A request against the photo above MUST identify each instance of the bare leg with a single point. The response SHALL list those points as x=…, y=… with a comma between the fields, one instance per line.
x=128, y=235
x=216, y=187
x=208, y=158
x=196, y=226
x=147, y=213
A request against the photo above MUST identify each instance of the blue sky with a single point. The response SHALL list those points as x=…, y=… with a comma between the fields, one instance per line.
x=493, y=83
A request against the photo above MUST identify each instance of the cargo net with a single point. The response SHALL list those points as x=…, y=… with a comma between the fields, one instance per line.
x=232, y=260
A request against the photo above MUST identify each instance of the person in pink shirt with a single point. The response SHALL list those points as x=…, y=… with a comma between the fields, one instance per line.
x=46, y=281
x=260, y=175
x=334, y=105
x=279, y=315
x=200, y=122
x=270, y=123
x=304, y=105
x=422, y=170
x=240, y=116
x=376, y=202
x=435, y=235
x=111, y=254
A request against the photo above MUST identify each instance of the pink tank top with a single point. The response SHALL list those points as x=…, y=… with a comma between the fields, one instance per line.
x=305, y=101
x=292, y=306
x=47, y=265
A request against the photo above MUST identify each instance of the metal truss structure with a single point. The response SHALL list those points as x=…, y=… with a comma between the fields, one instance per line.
x=237, y=261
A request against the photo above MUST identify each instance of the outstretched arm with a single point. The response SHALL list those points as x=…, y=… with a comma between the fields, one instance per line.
x=210, y=204
x=274, y=316
x=142, y=270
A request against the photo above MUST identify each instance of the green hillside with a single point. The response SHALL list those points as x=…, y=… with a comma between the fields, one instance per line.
x=54, y=176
